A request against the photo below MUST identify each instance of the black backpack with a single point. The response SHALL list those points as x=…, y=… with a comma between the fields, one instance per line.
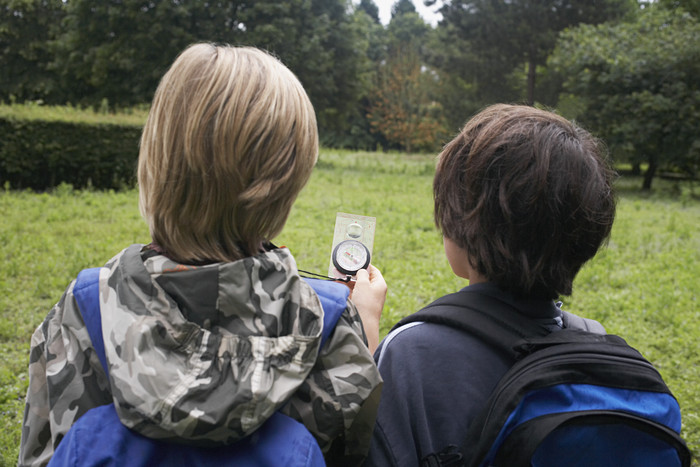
x=574, y=397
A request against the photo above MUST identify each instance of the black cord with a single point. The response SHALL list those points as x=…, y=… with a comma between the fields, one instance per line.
x=347, y=278
x=311, y=275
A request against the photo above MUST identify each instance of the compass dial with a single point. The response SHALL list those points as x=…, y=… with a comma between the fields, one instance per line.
x=349, y=256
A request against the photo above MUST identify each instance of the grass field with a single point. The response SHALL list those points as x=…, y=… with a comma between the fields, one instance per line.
x=643, y=286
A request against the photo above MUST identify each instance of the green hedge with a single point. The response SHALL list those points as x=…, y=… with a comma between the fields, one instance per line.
x=40, y=153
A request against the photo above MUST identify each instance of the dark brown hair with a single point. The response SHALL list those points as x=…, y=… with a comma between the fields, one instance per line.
x=528, y=195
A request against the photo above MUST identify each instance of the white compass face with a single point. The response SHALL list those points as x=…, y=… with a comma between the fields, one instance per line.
x=350, y=256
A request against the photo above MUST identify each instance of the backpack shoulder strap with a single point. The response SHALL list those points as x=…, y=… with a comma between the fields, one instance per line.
x=571, y=321
x=334, y=298
x=493, y=321
x=87, y=293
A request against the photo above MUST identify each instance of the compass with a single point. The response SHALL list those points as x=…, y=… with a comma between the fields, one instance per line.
x=349, y=256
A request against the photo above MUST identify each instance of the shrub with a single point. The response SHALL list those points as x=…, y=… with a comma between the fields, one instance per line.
x=40, y=150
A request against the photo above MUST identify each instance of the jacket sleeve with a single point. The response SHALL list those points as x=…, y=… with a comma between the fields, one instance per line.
x=338, y=401
x=65, y=381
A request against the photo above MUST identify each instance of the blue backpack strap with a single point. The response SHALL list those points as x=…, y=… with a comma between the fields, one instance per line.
x=334, y=298
x=87, y=293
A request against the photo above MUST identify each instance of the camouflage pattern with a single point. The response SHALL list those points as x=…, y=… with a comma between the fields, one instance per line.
x=203, y=355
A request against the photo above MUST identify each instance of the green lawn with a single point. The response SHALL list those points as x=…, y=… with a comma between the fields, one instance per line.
x=643, y=286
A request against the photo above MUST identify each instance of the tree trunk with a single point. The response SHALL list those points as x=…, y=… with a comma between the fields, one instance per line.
x=649, y=174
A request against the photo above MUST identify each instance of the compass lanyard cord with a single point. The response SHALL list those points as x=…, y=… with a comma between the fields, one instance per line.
x=326, y=278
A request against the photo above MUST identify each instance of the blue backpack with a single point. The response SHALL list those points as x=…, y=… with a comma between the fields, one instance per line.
x=574, y=397
x=98, y=438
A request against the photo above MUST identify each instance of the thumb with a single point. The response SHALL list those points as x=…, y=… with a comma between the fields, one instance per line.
x=362, y=275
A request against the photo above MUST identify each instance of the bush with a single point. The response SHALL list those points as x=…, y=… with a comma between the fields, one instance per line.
x=40, y=151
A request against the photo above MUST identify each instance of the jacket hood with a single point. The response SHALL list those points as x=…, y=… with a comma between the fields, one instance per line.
x=206, y=353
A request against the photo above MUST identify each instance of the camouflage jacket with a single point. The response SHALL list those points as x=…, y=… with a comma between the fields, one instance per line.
x=203, y=355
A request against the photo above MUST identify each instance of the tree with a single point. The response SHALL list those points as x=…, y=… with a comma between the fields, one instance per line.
x=26, y=28
x=454, y=64
x=333, y=72
x=638, y=81
x=370, y=8
x=508, y=33
x=117, y=50
x=691, y=6
x=402, y=7
x=401, y=109
x=318, y=40
x=370, y=45
x=406, y=28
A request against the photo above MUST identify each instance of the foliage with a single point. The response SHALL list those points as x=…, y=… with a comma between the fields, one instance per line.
x=370, y=8
x=113, y=53
x=325, y=58
x=110, y=55
x=352, y=129
x=639, y=84
x=42, y=147
x=117, y=50
x=402, y=7
x=507, y=33
x=454, y=65
x=691, y=6
x=26, y=29
x=401, y=109
x=643, y=286
x=88, y=52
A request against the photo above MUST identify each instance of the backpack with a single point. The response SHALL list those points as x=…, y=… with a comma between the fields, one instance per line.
x=99, y=438
x=573, y=397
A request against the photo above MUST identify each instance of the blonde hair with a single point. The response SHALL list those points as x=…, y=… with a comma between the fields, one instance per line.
x=229, y=143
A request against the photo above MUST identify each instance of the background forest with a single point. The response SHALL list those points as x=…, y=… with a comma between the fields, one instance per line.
x=628, y=70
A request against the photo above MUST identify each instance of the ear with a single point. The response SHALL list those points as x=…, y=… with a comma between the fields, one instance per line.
x=459, y=262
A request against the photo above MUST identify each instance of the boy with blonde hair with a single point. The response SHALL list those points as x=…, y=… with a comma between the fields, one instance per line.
x=209, y=329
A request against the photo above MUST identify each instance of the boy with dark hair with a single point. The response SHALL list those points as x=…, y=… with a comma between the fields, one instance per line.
x=523, y=199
